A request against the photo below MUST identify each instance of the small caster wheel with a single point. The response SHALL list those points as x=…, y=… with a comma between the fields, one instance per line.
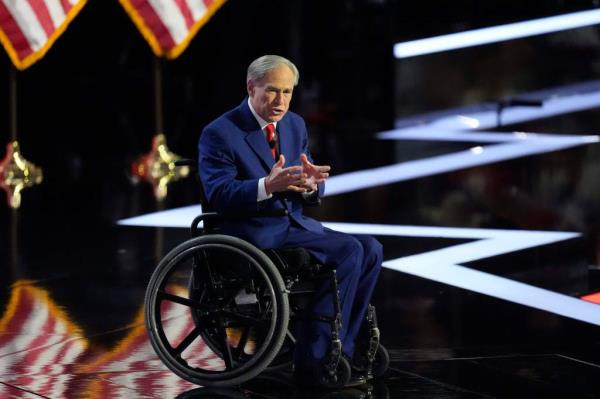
x=381, y=361
x=335, y=380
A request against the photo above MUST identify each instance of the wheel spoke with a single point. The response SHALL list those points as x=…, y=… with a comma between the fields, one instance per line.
x=187, y=341
x=290, y=336
x=226, y=348
x=239, y=350
x=162, y=295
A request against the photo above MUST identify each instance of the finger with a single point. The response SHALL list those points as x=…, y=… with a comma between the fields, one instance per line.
x=292, y=170
x=280, y=162
x=297, y=189
x=303, y=158
x=324, y=168
x=295, y=180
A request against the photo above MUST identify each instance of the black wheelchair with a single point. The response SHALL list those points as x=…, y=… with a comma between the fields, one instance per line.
x=219, y=311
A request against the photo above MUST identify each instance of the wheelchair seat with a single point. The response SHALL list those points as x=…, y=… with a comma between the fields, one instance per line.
x=293, y=261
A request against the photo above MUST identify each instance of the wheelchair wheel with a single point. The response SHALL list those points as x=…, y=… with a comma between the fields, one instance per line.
x=381, y=361
x=216, y=310
x=339, y=379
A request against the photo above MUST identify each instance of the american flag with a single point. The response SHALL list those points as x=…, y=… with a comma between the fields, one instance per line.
x=170, y=25
x=28, y=28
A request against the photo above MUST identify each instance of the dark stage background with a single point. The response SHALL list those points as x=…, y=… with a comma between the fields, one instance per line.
x=85, y=111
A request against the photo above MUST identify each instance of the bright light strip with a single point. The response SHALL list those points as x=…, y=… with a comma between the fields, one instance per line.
x=496, y=34
x=396, y=173
x=178, y=217
x=503, y=288
x=488, y=118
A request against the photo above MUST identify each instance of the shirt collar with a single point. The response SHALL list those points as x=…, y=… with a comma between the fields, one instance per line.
x=261, y=122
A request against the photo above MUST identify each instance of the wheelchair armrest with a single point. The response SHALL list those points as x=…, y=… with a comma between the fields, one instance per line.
x=232, y=216
x=313, y=200
x=267, y=213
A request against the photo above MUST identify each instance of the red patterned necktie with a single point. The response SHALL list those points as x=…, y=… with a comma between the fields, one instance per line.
x=270, y=128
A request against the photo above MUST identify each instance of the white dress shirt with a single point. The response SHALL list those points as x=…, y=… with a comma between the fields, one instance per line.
x=262, y=190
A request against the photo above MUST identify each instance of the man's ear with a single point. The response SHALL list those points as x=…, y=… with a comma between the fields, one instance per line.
x=250, y=88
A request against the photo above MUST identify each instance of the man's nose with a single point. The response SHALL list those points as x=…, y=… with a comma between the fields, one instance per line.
x=279, y=98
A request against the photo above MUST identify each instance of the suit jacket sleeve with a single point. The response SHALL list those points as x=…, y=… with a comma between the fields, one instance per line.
x=219, y=171
x=321, y=187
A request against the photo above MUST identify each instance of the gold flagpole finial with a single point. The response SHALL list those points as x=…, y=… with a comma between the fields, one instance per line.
x=157, y=167
x=17, y=173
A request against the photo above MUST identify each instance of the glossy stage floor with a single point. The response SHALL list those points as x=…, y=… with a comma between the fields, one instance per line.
x=491, y=241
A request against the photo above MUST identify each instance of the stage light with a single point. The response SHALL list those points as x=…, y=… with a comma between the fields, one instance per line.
x=496, y=34
x=477, y=150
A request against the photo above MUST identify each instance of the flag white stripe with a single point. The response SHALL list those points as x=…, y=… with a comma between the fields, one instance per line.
x=197, y=7
x=24, y=16
x=56, y=12
x=171, y=17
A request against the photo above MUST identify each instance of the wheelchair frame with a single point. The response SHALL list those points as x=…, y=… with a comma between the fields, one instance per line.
x=219, y=320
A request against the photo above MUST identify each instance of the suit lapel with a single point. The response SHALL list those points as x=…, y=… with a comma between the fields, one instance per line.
x=285, y=140
x=255, y=136
x=256, y=140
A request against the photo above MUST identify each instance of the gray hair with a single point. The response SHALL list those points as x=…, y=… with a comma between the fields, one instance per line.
x=260, y=66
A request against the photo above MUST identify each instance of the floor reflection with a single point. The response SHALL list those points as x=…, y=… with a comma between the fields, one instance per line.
x=280, y=385
x=42, y=350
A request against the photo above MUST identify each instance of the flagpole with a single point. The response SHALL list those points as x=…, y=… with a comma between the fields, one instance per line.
x=158, y=96
x=13, y=102
x=14, y=244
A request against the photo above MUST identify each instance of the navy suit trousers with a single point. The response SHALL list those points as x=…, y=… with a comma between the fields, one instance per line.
x=357, y=260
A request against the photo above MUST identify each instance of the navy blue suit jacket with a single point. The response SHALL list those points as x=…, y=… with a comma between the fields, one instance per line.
x=234, y=155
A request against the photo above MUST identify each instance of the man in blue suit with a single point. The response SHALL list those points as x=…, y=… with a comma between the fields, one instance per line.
x=255, y=157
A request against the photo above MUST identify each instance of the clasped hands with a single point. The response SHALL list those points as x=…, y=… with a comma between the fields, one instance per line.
x=301, y=179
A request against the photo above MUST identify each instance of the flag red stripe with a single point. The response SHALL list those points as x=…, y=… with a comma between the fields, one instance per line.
x=41, y=343
x=66, y=5
x=13, y=32
x=186, y=12
x=24, y=307
x=154, y=23
x=43, y=16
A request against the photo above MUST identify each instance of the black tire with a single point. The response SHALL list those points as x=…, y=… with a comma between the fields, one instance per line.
x=339, y=379
x=381, y=362
x=225, y=270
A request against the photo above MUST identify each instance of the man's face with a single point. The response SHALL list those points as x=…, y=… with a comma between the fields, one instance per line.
x=270, y=96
